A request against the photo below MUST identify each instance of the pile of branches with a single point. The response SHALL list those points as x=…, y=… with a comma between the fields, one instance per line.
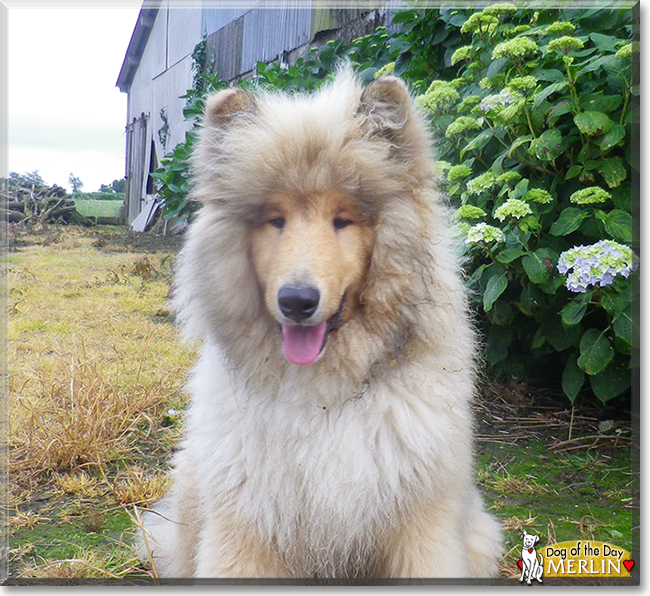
x=26, y=202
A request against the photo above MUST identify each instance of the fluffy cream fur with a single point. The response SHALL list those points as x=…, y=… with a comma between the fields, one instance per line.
x=360, y=464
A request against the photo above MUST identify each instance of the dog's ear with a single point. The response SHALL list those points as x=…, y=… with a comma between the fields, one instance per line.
x=223, y=107
x=384, y=106
x=536, y=539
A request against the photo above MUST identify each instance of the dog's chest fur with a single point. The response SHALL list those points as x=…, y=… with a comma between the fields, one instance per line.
x=324, y=483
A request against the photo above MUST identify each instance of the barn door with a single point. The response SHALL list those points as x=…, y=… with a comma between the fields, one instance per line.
x=137, y=157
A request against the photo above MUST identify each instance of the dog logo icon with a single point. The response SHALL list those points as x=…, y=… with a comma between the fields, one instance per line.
x=531, y=563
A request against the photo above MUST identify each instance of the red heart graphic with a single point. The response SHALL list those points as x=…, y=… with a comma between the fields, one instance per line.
x=530, y=550
x=628, y=564
x=521, y=564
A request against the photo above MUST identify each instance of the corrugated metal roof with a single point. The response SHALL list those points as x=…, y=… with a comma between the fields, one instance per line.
x=138, y=42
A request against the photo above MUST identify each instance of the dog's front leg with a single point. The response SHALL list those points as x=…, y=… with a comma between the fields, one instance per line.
x=229, y=548
x=523, y=568
x=429, y=544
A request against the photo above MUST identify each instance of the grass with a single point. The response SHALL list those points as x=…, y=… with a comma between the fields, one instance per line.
x=557, y=495
x=95, y=360
x=93, y=208
x=95, y=391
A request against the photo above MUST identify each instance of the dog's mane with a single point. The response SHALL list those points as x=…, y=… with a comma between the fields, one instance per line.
x=370, y=143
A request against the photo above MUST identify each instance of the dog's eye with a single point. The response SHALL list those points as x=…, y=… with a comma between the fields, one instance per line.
x=340, y=223
x=277, y=222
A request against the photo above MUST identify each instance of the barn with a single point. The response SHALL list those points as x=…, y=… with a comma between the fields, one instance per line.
x=157, y=67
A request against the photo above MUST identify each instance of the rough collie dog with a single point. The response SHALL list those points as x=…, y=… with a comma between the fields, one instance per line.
x=329, y=432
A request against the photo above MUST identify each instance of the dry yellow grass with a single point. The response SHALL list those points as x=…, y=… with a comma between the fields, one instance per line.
x=91, y=352
x=136, y=487
x=95, y=364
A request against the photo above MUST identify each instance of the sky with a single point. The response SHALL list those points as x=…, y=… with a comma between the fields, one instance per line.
x=65, y=114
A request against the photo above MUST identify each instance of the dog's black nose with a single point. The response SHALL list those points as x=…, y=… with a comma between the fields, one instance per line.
x=298, y=302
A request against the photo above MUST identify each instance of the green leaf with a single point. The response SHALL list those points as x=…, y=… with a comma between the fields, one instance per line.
x=519, y=141
x=548, y=145
x=496, y=346
x=507, y=255
x=572, y=172
x=501, y=313
x=569, y=221
x=592, y=123
x=572, y=379
x=520, y=189
x=596, y=352
x=496, y=285
x=573, y=311
x=612, y=381
x=535, y=268
x=478, y=142
x=605, y=43
x=623, y=325
x=538, y=98
x=613, y=303
x=552, y=75
x=561, y=108
x=613, y=171
x=618, y=224
x=538, y=339
x=508, y=113
x=612, y=137
x=561, y=337
x=600, y=102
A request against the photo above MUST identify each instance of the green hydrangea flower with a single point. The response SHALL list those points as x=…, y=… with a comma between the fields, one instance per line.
x=523, y=85
x=482, y=183
x=387, y=69
x=514, y=49
x=508, y=177
x=468, y=103
x=565, y=45
x=462, y=124
x=538, y=195
x=459, y=82
x=439, y=97
x=480, y=23
x=458, y=173
x=628, y=49
x=518, y=30
x=496, y=82
x=470, y=212
x=464, y=53
x=440, y=169
x=560, y=28
x=499, y=8
x=514, y=208
x=483, y=233
x=590, y=196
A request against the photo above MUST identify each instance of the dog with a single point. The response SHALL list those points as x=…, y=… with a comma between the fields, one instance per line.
x=530, y=563
x=329, y=433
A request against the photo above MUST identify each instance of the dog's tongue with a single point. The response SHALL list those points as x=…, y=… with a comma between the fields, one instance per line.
x=303, y=344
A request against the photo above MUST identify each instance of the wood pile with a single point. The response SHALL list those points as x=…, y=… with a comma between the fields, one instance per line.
x=25, y=202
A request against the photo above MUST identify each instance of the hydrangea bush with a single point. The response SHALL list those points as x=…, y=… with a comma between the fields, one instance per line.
x=536, y=121
x=532, y=111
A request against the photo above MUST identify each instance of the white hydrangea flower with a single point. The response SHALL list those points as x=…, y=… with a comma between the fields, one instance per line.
x=483, y=233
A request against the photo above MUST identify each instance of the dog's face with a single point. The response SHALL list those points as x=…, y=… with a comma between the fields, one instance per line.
x=529, y=540
x=310, y=256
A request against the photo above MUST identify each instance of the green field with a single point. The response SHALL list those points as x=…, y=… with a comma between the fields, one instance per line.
x=98, y=208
